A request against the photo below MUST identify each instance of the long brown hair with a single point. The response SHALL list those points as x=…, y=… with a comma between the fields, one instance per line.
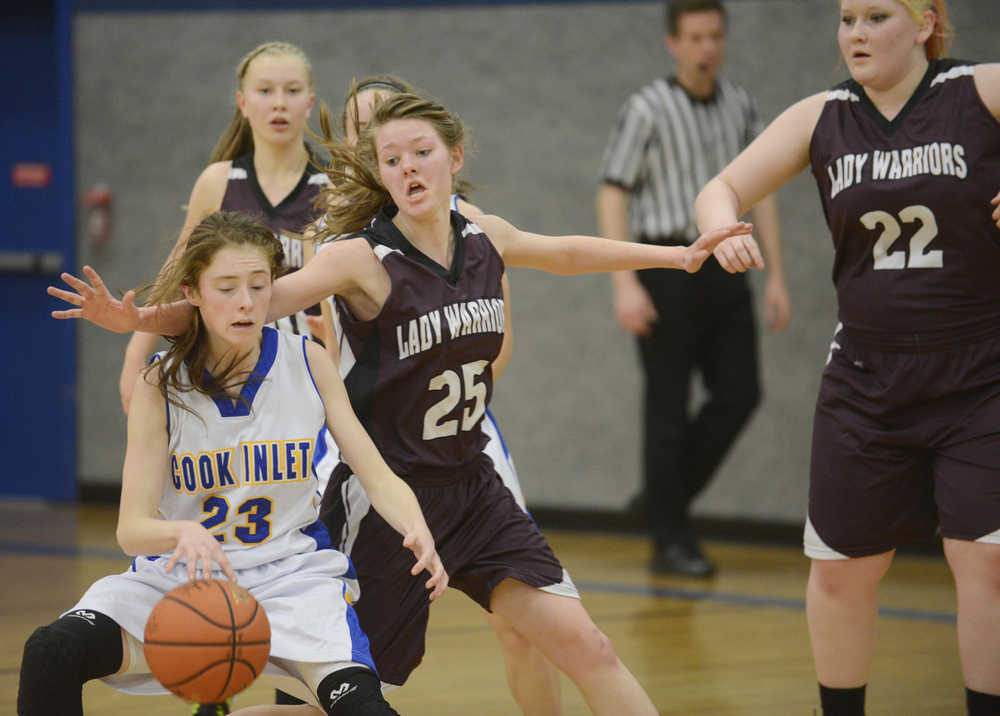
x=356, y=193
x=190, y=348
x=237, y=139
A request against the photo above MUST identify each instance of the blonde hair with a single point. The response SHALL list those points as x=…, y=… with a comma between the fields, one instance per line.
x=937, y=44
x=217, y=231
x=237, y=139
x=356, y=193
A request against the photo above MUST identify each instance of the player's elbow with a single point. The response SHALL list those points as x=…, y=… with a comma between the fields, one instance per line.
x=126, y=539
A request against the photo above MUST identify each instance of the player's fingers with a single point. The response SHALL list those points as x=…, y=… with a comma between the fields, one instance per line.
x=171, y=563
x=68, y=313
x=226, y=567
x=716, y=236
x=742, y=255
x=753, y=250
x=68, y=296
x=95, y=279
x=420, y=565
x=77, y=284
x=439, y=579
x=128, y=300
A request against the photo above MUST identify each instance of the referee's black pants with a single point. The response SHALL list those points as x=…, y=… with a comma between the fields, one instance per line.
x=707, y=325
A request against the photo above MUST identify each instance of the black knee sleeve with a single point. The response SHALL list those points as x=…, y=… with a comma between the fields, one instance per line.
x=356, y=691
x=60, y=657
x=283, y=699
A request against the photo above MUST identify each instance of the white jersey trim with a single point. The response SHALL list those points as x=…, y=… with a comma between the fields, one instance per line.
x=953, y=73
x=237, y=173
x=381, y=251
x=841, y=95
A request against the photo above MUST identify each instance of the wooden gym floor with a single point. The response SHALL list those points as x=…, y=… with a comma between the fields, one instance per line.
x=733, y=645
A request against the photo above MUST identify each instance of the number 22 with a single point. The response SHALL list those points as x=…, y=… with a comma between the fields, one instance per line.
x=917, y=256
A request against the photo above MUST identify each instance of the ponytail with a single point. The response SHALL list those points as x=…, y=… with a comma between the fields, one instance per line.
x=236, y=141
x=939, y=41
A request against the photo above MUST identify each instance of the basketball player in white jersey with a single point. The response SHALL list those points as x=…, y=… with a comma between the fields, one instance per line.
x=219, y=482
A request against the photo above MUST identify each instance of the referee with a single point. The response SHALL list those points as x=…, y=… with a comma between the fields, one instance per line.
x=671, y=137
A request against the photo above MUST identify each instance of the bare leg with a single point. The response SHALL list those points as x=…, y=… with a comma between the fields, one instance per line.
x=976, y=568
x=561, y=628
x=533, y=679
x=841, y=607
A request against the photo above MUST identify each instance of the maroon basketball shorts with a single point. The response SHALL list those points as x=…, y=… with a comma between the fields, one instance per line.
x=904, y=443
x=482, y=536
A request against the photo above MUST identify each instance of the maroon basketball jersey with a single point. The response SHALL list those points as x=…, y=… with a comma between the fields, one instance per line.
x=908, y=204
x=287, y=220
x=419, y=375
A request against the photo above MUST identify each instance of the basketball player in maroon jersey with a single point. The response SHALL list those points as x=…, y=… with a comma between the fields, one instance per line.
x=261, y=167
x=419, y=287
x=906, y=155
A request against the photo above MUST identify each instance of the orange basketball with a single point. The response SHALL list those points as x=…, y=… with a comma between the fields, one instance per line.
x=207, y=640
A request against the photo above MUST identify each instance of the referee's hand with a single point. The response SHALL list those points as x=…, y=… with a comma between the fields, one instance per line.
x=634, y=309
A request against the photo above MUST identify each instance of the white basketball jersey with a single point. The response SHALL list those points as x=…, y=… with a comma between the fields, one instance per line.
x=245, y=469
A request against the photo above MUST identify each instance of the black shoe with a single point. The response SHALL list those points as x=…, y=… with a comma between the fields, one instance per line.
x=211, y=709
x=683, y=558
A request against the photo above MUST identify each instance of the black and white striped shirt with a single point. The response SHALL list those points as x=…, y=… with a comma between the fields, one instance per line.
x=665, y=147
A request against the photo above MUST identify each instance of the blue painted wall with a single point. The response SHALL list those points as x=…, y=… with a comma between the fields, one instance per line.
x=38, y=362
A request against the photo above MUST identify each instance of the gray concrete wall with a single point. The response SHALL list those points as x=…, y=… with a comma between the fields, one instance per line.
x=539, y=86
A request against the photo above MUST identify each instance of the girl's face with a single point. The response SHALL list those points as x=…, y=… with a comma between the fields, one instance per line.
x=880, y=40
x=366, y=101
x=416, y=166
x=276, y=98
x=233, y=294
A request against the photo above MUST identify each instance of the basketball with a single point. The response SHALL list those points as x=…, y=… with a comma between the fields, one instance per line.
x=207, y=640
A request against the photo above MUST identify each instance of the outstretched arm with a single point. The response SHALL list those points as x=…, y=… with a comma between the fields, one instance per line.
x=390, y=496
x=95, y=303
x=568, y=255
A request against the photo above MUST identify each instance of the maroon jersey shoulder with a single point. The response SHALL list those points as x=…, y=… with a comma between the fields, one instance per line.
x=908, y=205
x=419, y=374
x=287, y=219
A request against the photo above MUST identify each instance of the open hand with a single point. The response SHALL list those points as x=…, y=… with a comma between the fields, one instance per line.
x=711, y=241
x=196, y=545
x=422, y=545
x=95, y=303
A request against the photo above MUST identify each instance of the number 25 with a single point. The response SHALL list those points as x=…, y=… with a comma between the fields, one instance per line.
x=434, y=424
